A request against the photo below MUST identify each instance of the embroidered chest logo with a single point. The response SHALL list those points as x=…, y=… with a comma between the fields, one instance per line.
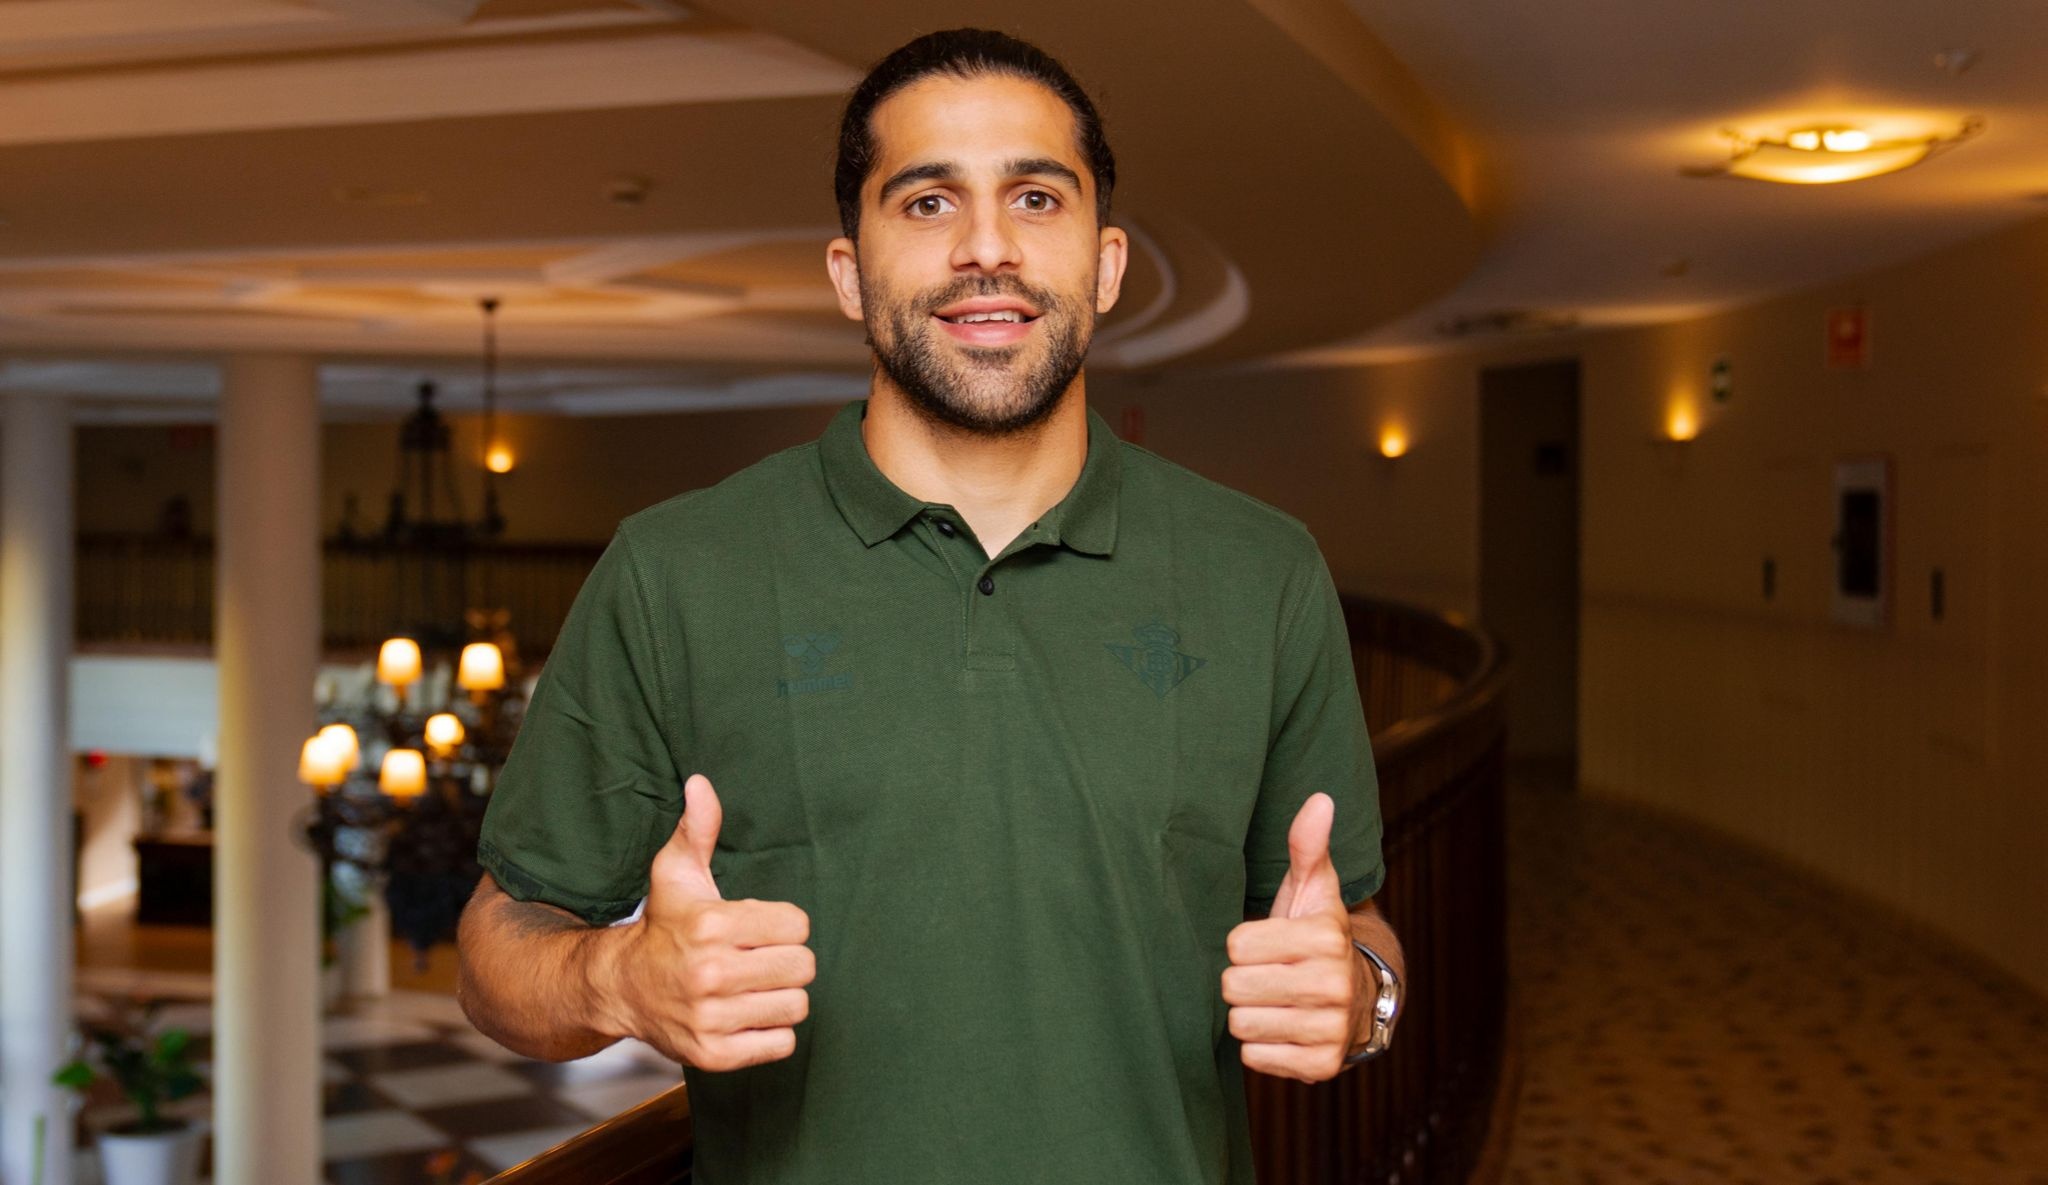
x=811, y=652
x=1154, y=660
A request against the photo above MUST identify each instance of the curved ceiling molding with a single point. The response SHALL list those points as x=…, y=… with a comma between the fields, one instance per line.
x=649, y=184
x=1215, y=289
x=1162, y=299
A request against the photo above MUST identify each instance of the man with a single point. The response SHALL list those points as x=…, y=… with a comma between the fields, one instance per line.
x=955, y=759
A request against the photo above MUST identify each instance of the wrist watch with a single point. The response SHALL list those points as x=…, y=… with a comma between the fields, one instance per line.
x=1384, y=1009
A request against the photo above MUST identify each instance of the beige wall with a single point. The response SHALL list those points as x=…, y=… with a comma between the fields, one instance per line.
x=1909, y=762
x=1306, y=441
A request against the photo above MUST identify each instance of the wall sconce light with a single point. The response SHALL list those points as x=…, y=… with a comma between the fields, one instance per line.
x=1681, y=426
x=1827, y=155
x=1393, y=443
x=498, y=458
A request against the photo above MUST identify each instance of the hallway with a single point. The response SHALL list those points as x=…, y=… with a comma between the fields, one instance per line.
x=1693, y=1011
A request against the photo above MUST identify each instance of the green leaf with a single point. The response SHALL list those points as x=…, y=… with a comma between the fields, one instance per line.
x=171, y=1046
x=75, y=1076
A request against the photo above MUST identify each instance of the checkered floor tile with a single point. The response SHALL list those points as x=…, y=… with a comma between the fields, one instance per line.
x=412, y=1095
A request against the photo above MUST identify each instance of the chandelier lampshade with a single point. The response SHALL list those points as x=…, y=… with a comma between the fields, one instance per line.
x=344, y=738
x=482, y=667
x=398, y=662
x=323, y=762
x=404, y=773
x=443, y=732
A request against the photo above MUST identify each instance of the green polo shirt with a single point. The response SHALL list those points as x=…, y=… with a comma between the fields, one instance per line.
x=1023, y=800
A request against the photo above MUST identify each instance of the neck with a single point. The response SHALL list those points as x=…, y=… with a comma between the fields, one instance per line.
x=999, y=484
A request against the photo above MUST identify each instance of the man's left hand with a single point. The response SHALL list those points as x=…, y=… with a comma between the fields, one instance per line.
x=1296, y=987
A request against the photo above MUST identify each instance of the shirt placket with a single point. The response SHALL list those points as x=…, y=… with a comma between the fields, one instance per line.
x=989, y=628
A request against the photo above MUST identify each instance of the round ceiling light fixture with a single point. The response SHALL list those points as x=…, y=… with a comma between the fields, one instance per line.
x=1828, y=154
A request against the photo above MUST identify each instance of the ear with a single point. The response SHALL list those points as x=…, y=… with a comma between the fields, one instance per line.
x=1112, y=252
x=842, y=262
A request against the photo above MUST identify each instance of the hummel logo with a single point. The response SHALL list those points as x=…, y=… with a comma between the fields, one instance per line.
x=810, y=650
x=1154, y=660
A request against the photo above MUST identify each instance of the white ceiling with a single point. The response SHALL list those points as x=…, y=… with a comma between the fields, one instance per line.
x=1585, y=110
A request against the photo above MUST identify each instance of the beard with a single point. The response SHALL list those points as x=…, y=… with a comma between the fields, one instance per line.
x=987, y=391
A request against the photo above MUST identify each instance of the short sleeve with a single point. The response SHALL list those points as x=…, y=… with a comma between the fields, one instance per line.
x=590, y=791
x=1318, y=741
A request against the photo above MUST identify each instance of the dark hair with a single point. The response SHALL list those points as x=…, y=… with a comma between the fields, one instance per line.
x=960, y=53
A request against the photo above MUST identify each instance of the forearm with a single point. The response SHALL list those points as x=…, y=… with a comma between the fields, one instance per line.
x=531, y=976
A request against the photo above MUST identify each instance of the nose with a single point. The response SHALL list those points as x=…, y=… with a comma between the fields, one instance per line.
x=988, y=240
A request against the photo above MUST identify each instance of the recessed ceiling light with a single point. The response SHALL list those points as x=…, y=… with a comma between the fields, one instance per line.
x=1827, y=155
x=1507, y=321
x=627, y=191
x=1955, y=62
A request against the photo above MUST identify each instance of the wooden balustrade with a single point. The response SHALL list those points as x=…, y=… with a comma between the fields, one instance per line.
x=153, y=590
x=1434, y=695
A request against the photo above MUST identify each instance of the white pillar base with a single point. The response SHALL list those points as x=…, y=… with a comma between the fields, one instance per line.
x=366, y=954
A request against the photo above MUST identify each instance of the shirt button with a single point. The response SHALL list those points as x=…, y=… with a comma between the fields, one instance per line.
x=945, y=526
x=987, y=586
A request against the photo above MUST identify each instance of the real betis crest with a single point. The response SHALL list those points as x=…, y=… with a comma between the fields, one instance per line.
x=1154, y=660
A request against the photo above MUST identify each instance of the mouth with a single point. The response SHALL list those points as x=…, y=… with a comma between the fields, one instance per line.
x=997, y=322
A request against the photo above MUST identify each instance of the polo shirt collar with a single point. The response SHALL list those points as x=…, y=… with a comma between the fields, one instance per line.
x=872, y=505
x=876, y=508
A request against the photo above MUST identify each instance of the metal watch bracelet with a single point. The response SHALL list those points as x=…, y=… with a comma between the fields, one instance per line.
x=1385, y=1008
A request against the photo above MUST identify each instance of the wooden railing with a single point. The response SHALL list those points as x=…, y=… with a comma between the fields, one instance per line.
x=1434, y=695
x=153, y=590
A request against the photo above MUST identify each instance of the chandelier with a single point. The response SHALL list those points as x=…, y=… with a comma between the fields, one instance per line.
x=407, y=754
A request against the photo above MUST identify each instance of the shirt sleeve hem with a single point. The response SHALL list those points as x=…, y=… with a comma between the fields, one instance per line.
x=521, y=885
x=1353, y=893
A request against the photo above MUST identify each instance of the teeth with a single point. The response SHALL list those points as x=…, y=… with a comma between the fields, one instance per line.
x=999, y=315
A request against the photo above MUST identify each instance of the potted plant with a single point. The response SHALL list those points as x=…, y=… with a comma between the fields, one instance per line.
x=150, y=1071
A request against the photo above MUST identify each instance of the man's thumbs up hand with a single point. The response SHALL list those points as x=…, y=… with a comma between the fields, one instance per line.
x=682, y=868
x=714, y=983
x=1294, y=983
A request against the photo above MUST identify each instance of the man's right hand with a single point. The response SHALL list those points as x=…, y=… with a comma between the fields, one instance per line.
x=713, y=983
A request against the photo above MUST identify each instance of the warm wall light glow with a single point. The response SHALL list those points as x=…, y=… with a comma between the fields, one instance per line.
x=1393, y=443
x=344, y=738
x=404, y=773
x=444, y=732
x=398, y=662
x=1829, y=155
x=1681, y=424
x=482, y=667
x=498, y=458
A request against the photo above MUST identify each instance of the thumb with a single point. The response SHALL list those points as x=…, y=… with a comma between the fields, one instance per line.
x=1311, y=883
x=683, y=866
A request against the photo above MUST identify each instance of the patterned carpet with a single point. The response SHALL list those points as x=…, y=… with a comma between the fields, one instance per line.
x=1695, y=1012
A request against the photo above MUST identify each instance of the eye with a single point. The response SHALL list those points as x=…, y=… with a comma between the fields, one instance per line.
x=1038, y=201
x=930, y=205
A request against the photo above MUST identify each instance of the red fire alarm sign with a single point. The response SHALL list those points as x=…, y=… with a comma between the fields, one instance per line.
x=1848, y=338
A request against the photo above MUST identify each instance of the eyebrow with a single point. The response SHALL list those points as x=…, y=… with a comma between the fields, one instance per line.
x=946, y=170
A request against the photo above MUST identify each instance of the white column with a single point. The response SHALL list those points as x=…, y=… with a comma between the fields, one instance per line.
x=266, y=890
x=36, y=892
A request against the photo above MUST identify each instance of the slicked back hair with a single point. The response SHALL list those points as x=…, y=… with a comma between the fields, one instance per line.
x=963, y=54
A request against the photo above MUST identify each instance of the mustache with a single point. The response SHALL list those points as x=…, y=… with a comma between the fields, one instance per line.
x=969, y=287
